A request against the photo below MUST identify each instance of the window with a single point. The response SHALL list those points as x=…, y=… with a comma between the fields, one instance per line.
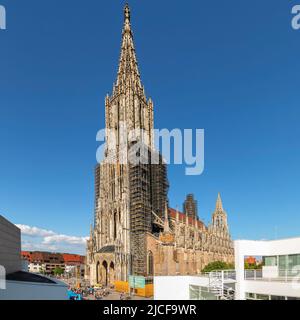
x=277, y=298
x=250, y=296
x=293, y=261
x=150, y=264
x=262, y=297
x=289, y=265
x=177, y=267
x=115, y=225
x=201, y=293
x=195, y=293
x=282, y=262
x=270, y=261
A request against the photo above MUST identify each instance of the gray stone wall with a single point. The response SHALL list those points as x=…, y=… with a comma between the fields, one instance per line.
x=10, y=246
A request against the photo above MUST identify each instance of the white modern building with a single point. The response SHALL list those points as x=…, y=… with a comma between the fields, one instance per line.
x=176, y=287
x=27, y=286
x=279, y=277
x=15, y=282
x=219, y=285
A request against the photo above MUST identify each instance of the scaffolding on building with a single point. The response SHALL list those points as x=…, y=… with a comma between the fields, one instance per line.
x=148, y=192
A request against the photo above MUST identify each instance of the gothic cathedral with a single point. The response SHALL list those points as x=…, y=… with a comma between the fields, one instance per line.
x=135, y=232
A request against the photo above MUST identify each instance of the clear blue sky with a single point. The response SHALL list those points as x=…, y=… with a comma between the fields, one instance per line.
x=230, y=67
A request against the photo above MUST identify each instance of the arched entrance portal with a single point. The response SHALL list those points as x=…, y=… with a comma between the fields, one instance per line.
x=111, y=273
x=104, y=273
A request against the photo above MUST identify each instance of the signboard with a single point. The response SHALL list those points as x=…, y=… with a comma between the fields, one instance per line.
x=137, y=282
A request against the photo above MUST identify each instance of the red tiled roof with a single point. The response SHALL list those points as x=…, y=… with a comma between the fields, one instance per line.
x=26, y=255
x=251, y=260
x=73, y=258
x=63, y=258
x=182, y=218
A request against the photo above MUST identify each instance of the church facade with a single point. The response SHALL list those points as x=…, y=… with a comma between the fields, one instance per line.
x=134, y=231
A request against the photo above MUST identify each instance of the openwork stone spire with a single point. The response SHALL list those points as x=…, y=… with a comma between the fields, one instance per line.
x=220, y=216
x=128, y=72
x=219, y=205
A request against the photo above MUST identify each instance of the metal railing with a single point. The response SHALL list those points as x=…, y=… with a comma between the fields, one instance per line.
x=283, y=275
x=227, y=274
x=217, y=283
x=253, y=274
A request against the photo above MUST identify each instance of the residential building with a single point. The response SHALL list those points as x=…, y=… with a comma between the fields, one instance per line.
x=74, y=264
x=46, y=262
x=43, y=262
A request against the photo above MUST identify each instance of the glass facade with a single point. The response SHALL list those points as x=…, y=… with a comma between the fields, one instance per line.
x=201, y=293
x=250, y=296
x=277, y=298
x=293, y=261
x=289, y=262
x=288, y=265
x=282, y=262
x=195, y=293
x=262, y=297
x=256, y=296
x=270, y=261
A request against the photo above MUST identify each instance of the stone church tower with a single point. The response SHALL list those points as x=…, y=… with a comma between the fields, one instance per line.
x=220, y=216
x=125, y=193
x=135, y=232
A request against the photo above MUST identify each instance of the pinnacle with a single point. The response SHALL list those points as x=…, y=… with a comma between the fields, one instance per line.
x=219, y=205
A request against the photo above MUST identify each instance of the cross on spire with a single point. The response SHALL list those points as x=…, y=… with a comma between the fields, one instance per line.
x=126, y=12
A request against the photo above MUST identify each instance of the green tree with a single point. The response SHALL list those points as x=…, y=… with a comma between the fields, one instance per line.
x=58, y=271
x=217, y=265
x=248, y=266
x=42, y=271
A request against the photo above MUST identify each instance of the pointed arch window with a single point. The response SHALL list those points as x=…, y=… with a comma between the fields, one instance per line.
x=150, y=264
x=115, y=225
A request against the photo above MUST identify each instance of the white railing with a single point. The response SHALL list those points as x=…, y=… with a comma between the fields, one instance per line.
x=227, y=274
x=253, y=274
x=283, y=275
x=217, y=283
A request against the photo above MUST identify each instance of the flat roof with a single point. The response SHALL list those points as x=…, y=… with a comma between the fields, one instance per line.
x=28, y=277
x=268, y=240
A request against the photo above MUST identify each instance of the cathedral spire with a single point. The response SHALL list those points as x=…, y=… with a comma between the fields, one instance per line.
x=220, y=216
x=219, y=205
x=127, y=14
x=128, y=72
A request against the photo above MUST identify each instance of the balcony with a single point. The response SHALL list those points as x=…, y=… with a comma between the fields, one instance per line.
x=273, y=274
